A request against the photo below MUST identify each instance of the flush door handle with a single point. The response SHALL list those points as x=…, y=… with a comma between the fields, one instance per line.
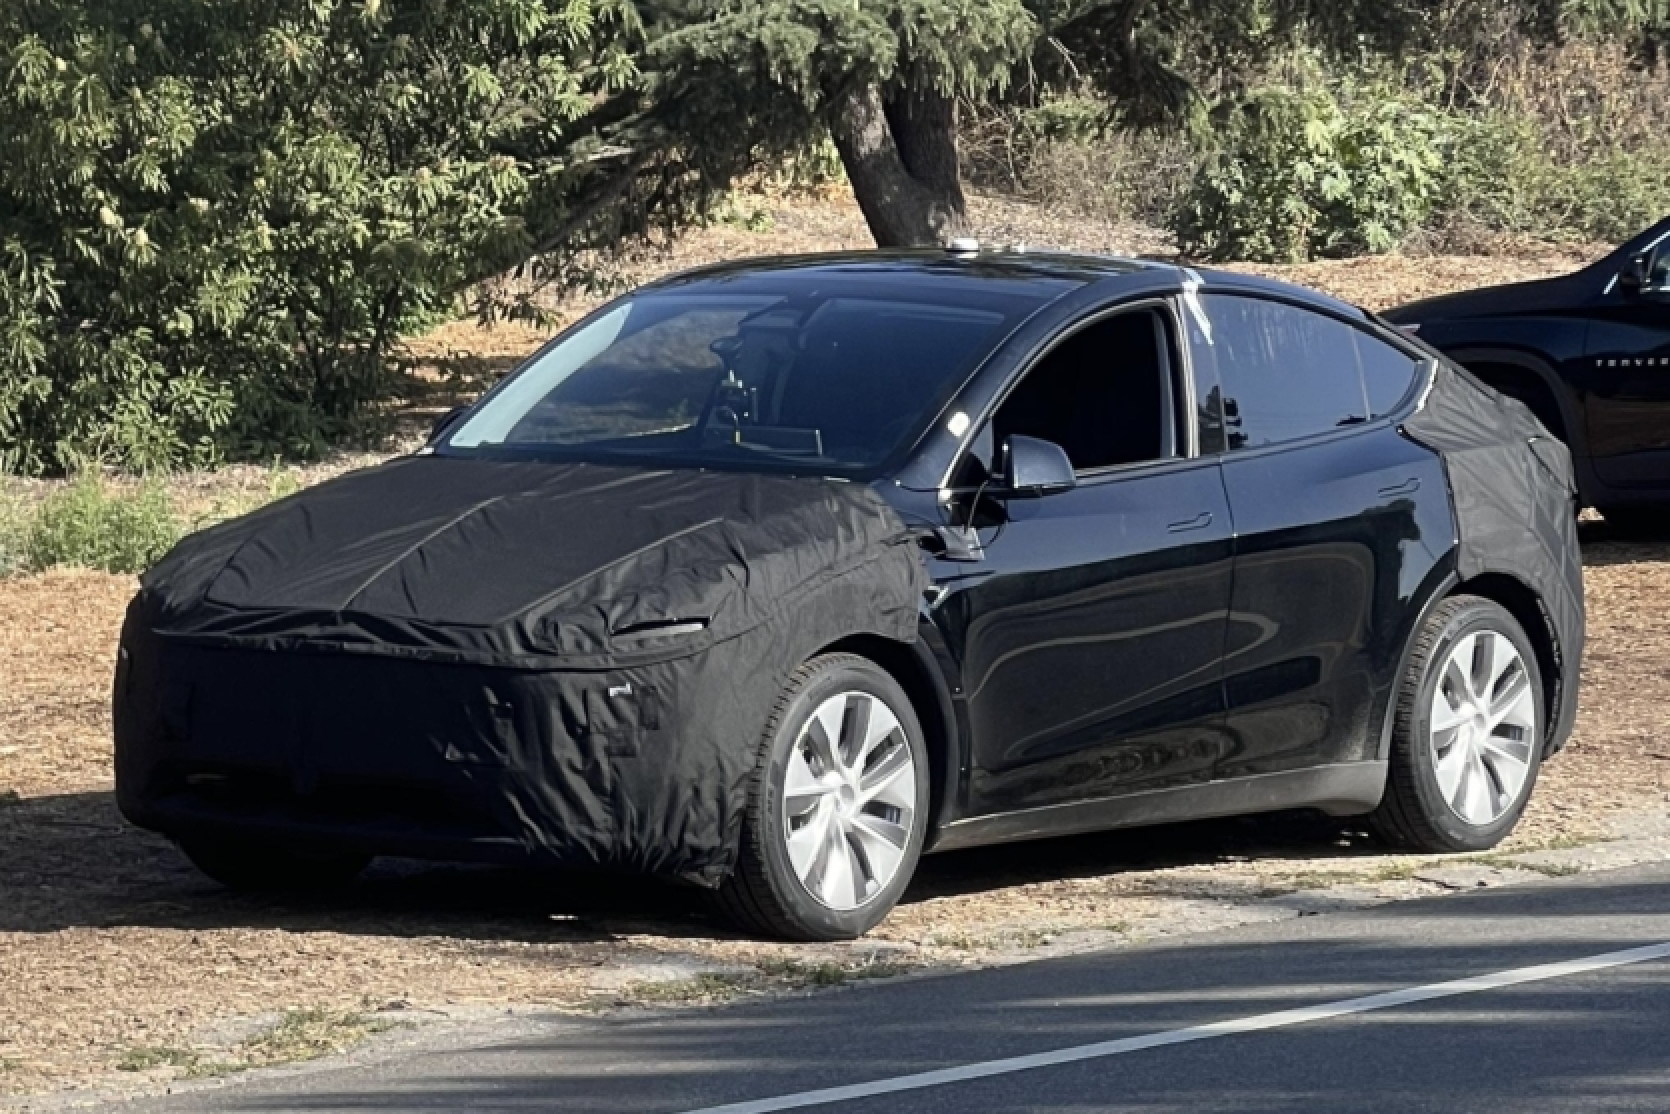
x=1199, y=522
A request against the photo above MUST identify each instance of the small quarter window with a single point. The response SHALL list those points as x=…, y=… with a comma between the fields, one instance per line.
x=1388, y=373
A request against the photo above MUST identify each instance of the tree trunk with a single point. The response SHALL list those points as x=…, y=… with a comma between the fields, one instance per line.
x=901, y=158
x=924, y=125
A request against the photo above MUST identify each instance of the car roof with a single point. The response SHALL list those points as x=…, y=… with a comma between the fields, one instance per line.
x=929, y=264
x=1064, y=270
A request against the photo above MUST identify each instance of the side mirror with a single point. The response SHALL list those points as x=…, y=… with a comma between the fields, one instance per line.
x=1638, y=277
x=445, y=422
x=1032, y=466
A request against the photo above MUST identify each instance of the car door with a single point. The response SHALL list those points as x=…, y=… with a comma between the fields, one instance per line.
x=1090, y=634
x=1336, y=516
x=1628, y=378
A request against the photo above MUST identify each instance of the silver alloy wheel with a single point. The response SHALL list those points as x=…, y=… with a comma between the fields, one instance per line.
x=1483, y=726
x=849, y=800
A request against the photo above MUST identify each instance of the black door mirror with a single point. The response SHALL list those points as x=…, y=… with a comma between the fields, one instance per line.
x=445, y=422
x=1640, y=276
x=1032, y=466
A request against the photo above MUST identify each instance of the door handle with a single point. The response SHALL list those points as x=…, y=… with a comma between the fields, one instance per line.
x=1199, y=522
x=1407, y=487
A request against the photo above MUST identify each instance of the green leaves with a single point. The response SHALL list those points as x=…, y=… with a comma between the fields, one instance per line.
x=749, y=58
x=216, y=216
x=1339, y=169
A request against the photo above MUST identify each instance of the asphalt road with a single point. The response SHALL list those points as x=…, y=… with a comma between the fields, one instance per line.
x=1385, y=1027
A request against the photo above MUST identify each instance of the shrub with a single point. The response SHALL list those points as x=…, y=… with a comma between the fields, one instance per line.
x=1562, y=143
x=1064, y=153
x=1293, y=175
x=1501, y=178
x=92, y=525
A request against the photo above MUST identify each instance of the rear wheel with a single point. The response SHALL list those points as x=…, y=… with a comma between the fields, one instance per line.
x=1467, y=737
x=241, y=865
x=838, y=807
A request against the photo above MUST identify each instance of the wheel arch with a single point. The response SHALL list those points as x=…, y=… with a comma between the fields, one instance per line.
x=912, y=665
x=1488, y=365
x=1481, y=362
x=1519, y=600
x=1522, y=602
x=1439, y=586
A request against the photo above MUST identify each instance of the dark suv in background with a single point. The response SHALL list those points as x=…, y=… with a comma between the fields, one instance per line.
x=1589, y=353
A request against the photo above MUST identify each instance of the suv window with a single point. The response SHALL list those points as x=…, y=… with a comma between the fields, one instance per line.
x=1286, y=372
x=1104, y=395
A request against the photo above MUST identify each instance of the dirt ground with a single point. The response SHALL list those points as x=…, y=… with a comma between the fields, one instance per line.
x=122, y=969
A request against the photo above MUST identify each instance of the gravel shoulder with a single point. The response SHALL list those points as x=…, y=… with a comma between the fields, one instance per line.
x=125, y=971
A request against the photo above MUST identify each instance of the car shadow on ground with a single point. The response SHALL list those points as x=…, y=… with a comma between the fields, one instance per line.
x=72, y=861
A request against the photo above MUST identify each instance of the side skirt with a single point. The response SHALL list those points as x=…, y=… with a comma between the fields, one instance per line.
x=1344, y=789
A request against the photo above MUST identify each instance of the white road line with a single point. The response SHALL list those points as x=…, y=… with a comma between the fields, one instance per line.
x=1263, y=1021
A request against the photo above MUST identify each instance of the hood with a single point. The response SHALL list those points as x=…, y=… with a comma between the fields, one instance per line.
x=1512, y=300
x=518, y=560
x=1543, y=296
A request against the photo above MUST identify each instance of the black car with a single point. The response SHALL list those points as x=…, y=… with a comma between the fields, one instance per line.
x=1589, y=353
x=773, y=576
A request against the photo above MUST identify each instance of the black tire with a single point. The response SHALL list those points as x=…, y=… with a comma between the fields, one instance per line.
x=764, y=895
x=1643, y=522
x=256, y=867
x=1413, y=814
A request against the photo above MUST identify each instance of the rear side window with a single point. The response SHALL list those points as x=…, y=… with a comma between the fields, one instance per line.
x=1286, y=373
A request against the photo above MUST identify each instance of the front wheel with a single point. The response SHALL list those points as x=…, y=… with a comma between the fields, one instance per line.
x=1467, y=734
x=838, y=808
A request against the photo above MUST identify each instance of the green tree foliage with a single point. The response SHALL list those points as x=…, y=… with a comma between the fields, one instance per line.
x=217, y=215
x=1496, y=133
x=885, y=76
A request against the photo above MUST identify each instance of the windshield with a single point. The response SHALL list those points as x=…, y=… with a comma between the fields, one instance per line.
x=828, y=381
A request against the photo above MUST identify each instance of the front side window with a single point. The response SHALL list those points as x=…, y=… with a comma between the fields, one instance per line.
x=1104, y=394
x=1285, y=373
x=830, y=382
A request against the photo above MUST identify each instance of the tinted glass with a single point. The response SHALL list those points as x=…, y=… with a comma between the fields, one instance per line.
x=1286, y=372
x=1388, y=373
x=1102, y=395
x=823, y=380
